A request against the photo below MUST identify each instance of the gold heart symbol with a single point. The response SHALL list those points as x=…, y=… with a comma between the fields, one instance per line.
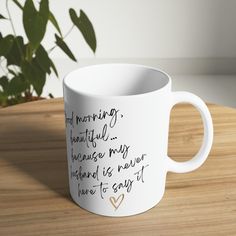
x=116, y=202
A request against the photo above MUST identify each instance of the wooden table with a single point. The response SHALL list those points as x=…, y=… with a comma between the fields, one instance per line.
x=34, y=196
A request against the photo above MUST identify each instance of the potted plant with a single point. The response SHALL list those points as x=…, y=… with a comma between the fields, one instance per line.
x=26, y=65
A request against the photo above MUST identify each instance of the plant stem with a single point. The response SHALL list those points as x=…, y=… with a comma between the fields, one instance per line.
x=13, y=28
x=68, y=32
x=9, y=16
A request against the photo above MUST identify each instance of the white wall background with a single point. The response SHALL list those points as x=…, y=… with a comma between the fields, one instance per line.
x=190, y=39
x=147, y=29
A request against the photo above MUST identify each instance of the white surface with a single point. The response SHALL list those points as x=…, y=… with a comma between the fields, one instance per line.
x=153, y=28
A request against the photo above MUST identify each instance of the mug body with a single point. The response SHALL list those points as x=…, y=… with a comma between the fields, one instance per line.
x=117, y=120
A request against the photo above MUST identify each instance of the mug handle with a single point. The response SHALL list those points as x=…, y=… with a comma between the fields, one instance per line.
x=201, y=156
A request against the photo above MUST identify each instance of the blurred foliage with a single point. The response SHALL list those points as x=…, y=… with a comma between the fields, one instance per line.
x=26, y=65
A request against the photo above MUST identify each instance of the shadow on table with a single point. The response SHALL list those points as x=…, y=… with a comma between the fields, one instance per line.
x=37, y=150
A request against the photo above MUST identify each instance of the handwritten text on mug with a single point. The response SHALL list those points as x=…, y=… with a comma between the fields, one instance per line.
x=86, y=135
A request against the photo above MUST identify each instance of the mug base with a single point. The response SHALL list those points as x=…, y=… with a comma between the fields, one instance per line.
x=120, y=215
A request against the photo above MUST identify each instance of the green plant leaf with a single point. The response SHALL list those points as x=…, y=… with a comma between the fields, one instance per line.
x=4, y=83
x=17, y=85
x=17, y=52
x=6, y=44
x=53, y=67
x=61, y=44
x=35, y=22
x=34, y=75
x=18, y=4
x=42, y=59
x=85, y=26
x=3, y=17
x=53, y=20
x=44, y=10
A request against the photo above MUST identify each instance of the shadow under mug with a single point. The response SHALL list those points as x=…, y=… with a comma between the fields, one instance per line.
x=117, y=120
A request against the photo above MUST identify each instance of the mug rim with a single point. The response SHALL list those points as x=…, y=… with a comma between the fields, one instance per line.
x=97, y=96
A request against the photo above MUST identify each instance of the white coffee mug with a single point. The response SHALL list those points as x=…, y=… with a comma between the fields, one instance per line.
x=117, y=121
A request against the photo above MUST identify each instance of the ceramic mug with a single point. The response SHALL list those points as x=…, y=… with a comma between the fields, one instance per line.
x=117, y=120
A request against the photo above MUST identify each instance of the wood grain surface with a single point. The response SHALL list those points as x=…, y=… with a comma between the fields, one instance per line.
x=34, y=196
